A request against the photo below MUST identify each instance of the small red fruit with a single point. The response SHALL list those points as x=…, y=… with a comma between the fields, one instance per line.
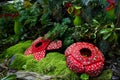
x=84, y=57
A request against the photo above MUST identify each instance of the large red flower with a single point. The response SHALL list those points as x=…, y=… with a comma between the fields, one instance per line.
x=39, y=47
x=84, y=57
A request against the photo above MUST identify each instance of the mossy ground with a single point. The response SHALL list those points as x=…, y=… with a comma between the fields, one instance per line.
x=16, y=49
x=54, y=64
x=18, y=61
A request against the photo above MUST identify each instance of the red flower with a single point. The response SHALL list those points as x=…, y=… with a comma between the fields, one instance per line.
x=84, y=57
x=39, y=47
x=67, y=4
x=111, y=1
x=54, y=45
x=111, y=5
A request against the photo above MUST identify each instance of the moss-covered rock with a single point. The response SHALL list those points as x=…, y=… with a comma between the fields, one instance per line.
x=16, y=49
x=18, y=61
x=53, y=64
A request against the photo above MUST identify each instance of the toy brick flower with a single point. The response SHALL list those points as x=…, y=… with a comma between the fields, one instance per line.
x=82, y=57
x=39, y=47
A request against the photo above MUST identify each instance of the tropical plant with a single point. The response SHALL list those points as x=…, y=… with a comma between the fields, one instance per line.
x=109, y=32
x=87, y=31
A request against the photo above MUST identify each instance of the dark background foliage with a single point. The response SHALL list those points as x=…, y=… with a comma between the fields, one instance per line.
x=51, y=18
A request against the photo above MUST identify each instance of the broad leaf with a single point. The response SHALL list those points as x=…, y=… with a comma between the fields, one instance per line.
x=105, y=31
x=113, y=37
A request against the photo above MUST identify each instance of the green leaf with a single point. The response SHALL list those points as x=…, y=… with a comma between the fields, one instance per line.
x=112, y=25
x=45, y=19
x=10, y=77
x=84, y=77
x=67, y=41
x=77, y=21
x=106, y=36
x=117, y=28
x=95, y=22
x=17, y=27
x=45, y=16
x=105, y=31
x=66, y=21
x=113, y=37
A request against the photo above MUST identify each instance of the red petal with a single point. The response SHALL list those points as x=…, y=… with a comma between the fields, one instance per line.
x=94, y=69
x=40, y=44
x=28, y=51
x=54, y=45
x=37, y=46
x=74, y=65
x=69, y=50
x=39, y=55
x=111, y=6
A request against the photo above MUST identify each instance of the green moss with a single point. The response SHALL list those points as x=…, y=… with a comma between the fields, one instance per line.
x=18, y=61
x=31, y=65
x=16, y=49
x=53, y=64
x=105, y=75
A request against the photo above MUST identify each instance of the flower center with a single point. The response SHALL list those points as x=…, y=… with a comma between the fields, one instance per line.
x=85, y=52
x=38, y=44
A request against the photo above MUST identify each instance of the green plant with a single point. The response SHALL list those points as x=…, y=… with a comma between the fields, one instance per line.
x=84, y=76
x=6, y=30
x=29, y=15
x=8, y=8
x=16, y=49
x=18, y=61
x=10, y=77
x=86, y=31
x=58, y=30
x=109, y=32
